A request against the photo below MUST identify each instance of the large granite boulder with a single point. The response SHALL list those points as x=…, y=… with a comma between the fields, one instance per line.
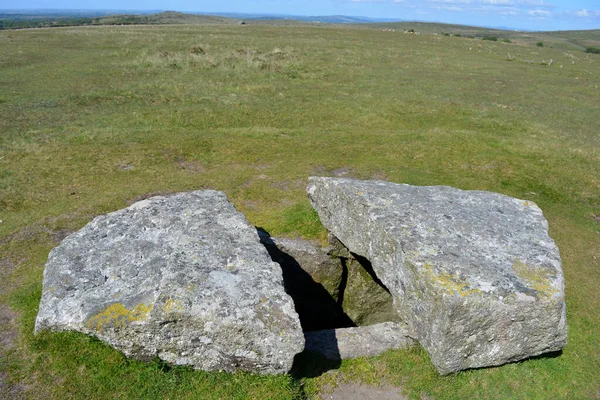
x=474, y=274
x=183, y=278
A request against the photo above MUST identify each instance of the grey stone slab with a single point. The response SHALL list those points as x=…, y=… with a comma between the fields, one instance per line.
x=183, y=278
x=362, y=341
x=474, y=274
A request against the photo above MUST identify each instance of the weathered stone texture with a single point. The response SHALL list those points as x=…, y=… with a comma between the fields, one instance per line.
x=184, y=278
x=474, y=274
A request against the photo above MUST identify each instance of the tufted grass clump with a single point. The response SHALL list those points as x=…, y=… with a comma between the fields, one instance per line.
x=203, y=57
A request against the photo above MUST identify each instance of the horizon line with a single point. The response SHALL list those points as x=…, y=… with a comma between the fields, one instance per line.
x=268, y=14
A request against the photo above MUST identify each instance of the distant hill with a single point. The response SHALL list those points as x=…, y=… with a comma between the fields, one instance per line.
x=50, y=19
x=166, y=17
x=581, y=39
x=437, y=27
x=567, y=40
x=17, y=19
x=328, y=19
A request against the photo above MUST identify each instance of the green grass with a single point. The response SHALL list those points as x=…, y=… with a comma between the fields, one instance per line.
x=92, y=118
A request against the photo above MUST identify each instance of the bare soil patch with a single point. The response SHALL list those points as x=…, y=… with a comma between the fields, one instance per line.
x=148, y=195
x=356, y=391
x=9, y=391
x=8, y=337
x=8, y=334
x=191, y=166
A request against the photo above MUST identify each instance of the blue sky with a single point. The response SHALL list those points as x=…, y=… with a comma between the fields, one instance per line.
x=518, y=14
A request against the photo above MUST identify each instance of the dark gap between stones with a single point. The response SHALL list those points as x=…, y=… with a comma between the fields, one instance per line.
x=366, y=264
x=317, y=308
x=331, y=287
x=343, y=283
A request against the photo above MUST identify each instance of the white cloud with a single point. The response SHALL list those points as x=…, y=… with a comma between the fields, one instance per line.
x=449, y=1
x=513, y=4
x=534, y=9
x=535, y=3
x=539, y=13
x=498, y=2
x=511, y=11
x=586, y=13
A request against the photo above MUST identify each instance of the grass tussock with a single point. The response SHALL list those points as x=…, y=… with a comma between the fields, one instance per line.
x=200, y=57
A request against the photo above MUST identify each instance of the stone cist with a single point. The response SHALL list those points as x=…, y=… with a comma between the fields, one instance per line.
x=472, y=276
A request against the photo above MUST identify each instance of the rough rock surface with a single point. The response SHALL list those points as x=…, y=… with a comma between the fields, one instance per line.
x=474, y=274
x=183, y=277
x=363, y=341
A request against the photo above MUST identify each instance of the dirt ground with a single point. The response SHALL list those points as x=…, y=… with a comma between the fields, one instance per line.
x=8, y=334
x=355, y=391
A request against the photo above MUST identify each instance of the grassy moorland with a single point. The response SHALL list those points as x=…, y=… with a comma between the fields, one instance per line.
x=93, y=118
x=566, y=40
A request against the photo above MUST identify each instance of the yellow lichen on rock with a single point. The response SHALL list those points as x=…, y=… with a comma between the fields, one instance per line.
x=117, y=315
x=172, y=305
x=536, y=278
x=449, y=283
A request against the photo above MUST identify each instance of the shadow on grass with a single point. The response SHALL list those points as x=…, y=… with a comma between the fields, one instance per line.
x=552, y=354
x=545, y=356
x=309, y=364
